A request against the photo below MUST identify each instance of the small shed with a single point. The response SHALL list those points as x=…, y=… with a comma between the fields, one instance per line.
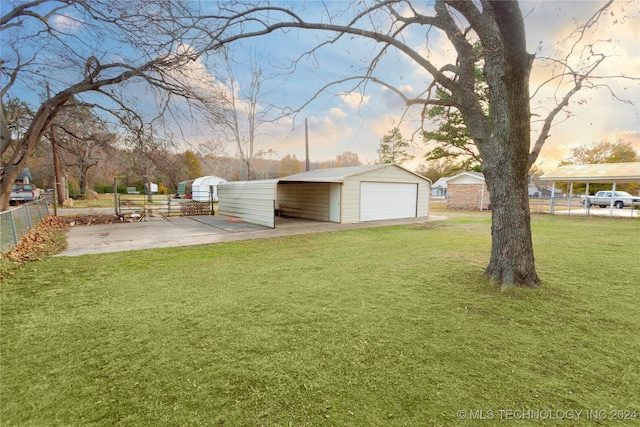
x=341, y=195
x=184, y=189
x=205, y=187
x=467, y=190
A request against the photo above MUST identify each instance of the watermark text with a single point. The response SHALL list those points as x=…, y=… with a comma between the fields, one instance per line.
x=548, y=414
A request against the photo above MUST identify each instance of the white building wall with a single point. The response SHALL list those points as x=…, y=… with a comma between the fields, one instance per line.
x=351, y=201
x=252, y=201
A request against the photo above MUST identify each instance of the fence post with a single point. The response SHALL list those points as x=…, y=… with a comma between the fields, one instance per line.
x=26, y=208
x=13, y=228
x=213, y=212
x=115, y=194
x=46, y=208
x=39, y=210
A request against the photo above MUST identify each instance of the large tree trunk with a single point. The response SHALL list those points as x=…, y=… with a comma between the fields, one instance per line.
x=8, y=177
x=506, y=152
x=512, y=260
x=506, y=172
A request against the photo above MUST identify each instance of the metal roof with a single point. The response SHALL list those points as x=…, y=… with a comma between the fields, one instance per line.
x=440, y=183
x=339, y=174
x=607, y=172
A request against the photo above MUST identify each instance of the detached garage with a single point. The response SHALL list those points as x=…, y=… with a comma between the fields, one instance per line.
x=342, y=195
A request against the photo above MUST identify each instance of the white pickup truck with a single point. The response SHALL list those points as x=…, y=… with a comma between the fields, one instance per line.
x=604, y=198
x=22, y=193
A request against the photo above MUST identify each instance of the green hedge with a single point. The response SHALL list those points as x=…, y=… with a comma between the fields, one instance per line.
x=105, y=188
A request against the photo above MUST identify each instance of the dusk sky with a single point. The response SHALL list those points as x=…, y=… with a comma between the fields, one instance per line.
x=355, y=122
x=343, y=120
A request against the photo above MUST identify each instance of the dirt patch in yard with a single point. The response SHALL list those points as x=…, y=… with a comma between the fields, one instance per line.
x=74, y=220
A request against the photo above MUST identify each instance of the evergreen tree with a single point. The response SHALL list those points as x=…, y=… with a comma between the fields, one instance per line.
x=393, y=148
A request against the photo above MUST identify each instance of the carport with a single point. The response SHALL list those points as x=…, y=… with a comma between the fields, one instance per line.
x=341, y=195
x=614, y=173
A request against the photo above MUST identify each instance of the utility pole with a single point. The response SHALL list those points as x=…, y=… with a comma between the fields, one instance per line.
x=306, y=146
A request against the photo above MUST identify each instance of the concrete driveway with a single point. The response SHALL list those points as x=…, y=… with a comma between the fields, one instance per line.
x=161, y=232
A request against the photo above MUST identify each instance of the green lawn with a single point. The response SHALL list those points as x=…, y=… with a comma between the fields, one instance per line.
x=393, y=326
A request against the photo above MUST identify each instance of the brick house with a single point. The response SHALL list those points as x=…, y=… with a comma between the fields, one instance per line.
x=468, y=191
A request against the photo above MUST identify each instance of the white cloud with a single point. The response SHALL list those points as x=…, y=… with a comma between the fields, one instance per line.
x=406, y=89
x=66, y=23
x=354, y=100
x=337, y=112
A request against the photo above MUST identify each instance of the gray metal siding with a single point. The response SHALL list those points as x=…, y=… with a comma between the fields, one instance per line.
x=252, y=201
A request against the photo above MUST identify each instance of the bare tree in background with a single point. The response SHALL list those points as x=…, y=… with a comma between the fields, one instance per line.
x=146, y=152
x=17, y=116
x=488, y=32
x=245, y=112
x=83, y=140
x=111, y=55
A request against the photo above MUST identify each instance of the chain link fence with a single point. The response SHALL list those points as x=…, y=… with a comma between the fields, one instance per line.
x=16, y=222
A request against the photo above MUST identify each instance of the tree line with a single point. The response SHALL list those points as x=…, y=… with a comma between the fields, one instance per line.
x=79, y=147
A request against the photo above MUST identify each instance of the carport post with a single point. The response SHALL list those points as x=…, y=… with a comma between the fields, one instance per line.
x=570, y=196
x=613, y=196
x=115, y=194
x=587, y=202
x=213, y=212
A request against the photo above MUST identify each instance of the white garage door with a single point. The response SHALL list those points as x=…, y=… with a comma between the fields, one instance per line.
x=383, y=200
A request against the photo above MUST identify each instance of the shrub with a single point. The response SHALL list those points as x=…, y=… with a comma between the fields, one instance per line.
x=106, y=188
